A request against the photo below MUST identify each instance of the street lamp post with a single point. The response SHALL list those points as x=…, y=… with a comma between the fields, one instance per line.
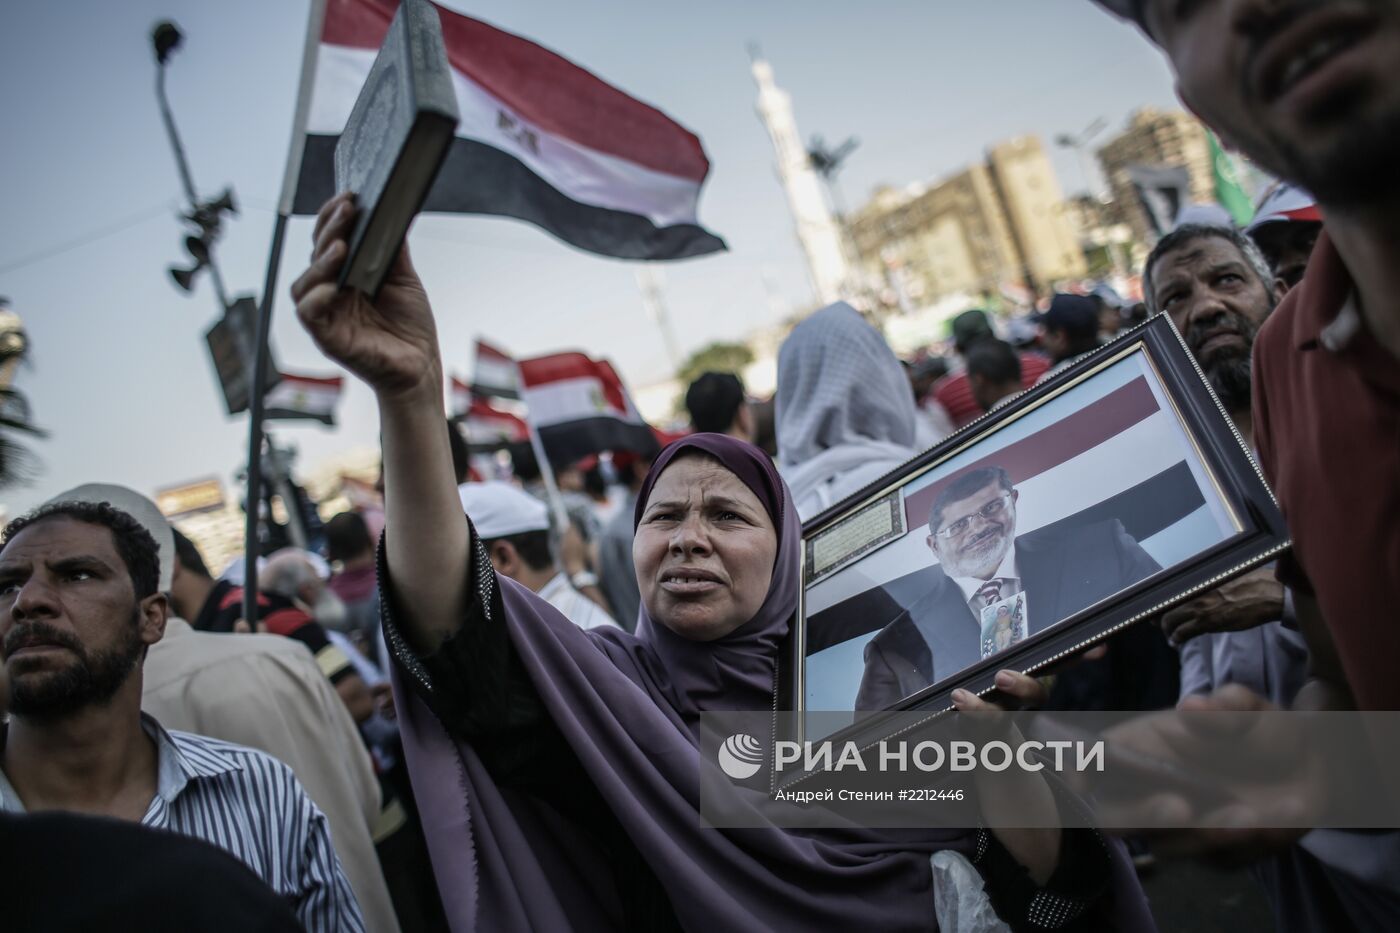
x=827, y=161
x=165, y=39
x=206, y=216
x=1080, y=144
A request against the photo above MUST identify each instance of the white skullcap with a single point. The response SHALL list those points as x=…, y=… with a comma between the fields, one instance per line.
x=499, y=510
x=1205, y=215
x=138, y=507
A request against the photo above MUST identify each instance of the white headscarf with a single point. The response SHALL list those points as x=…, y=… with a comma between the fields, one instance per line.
x=845, y=411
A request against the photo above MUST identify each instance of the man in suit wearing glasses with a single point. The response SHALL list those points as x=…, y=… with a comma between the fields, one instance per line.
x=992, y=588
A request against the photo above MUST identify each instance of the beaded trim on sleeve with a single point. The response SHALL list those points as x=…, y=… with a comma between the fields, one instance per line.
x=1047, y=910
x=1051, y=912
x=485, y=594
x=397, y=646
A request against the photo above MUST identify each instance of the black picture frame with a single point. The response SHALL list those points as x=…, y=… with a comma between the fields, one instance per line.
x=1259, y=536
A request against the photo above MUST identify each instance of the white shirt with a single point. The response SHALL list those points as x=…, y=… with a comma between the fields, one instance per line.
x=1006, y=572
x=576, y=607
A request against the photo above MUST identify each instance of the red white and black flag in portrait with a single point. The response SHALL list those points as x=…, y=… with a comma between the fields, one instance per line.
x=540, y=138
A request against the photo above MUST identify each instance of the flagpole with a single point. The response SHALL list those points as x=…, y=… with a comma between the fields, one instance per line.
x=253, y=499
x=315, y=20
x=551, y=486
x=256, y=409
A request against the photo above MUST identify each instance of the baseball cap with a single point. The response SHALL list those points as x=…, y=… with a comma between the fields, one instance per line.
x=499, y=510
x=1073, y=314
x=970, y=327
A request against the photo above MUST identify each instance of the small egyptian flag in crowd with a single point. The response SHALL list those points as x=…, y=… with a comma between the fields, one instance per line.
x=305, y=397
x=494, y=374
x=460, y=396
x=490, y=428
x=540, y=139
x=1283, y=203
x=580, y=407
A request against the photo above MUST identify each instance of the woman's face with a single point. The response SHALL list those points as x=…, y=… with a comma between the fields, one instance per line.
x=704, y=550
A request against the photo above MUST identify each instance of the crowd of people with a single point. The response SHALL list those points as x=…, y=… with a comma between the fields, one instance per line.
x=475, y=705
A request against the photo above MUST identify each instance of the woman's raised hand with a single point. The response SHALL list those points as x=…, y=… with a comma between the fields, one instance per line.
x=390, y=343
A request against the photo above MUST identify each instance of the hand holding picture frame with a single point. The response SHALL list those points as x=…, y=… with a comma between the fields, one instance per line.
x=1094, y=501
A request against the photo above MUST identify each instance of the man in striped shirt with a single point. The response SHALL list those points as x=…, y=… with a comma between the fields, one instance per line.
x=79, y=605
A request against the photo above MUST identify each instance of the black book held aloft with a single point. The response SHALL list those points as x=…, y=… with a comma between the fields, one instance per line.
x=395, y=141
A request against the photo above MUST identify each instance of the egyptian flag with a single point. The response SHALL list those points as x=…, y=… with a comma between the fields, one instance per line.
x=495, y=373
x=540, y=139
x=1285, y=203
x=490, y=428
x=580, y=407
x=303, y=397
x=461, y=396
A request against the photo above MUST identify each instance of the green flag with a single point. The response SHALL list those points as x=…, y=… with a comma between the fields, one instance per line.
x=1228, y=191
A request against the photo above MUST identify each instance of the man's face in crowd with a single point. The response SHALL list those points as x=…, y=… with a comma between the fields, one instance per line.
x=71, y=628
x=974, y=534
x=1110, y=321
x=569, y=479
x=984, y=391
x=1055, y=342
x=313, y=595
x=1310, y=89
x=1216, y=300
x=1287, y=246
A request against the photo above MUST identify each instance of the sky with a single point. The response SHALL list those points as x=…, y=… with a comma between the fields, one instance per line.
x=120, y=375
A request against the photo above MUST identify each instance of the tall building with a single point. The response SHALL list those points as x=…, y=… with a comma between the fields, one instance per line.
x=1156, y=138
x=989, y=226
x=1107, y=243
x=211, y=515
x=208, y=517
x=1035, y=207
x=817, y=231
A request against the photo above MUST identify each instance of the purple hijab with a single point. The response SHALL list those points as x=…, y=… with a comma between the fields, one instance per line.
x=628, y=706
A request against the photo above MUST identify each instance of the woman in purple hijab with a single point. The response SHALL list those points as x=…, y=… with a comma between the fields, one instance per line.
x=557, y=770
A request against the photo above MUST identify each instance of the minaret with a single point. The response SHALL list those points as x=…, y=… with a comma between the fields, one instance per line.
x=12, y=340
x=817, y=230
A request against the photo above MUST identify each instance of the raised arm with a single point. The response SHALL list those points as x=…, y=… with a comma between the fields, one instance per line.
x=392, y=345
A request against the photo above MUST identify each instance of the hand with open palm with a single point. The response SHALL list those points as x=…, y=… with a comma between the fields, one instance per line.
x=391, y=342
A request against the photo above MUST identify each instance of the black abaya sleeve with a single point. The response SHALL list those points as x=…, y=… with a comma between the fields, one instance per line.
x=1067, y=899
x=476, y=684
x=475, y=681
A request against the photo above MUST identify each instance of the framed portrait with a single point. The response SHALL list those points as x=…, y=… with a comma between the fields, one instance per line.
x=1098, y=499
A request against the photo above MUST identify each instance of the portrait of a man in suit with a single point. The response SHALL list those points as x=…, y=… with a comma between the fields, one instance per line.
x=986, y=573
